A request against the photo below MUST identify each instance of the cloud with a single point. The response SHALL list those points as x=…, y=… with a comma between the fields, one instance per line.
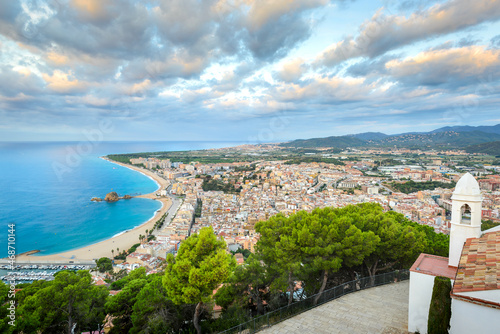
x=157, y=40
x=292, y=71
x=62, y=82
x=184, y=22
x=262, y=12
x=203, y=95
x=175, y=65
x=370, y=67
x=9, y=10
x=238, y=63
x=387, y=32
x=18, y=98
x=56, y=58
x=275, y=39
x=455, y=67
x=217, y=29
x=323, y=89
x=19, y=80
x=95, y=11
x=468, y=41
x=95, y=27
x=227, y=81
x=495, y=41
x=140, y=87
x=89, y=100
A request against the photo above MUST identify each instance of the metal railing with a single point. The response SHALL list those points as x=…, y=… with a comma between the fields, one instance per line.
x=285, y=312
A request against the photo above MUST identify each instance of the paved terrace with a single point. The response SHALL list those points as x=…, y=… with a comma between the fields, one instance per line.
x=382, y=309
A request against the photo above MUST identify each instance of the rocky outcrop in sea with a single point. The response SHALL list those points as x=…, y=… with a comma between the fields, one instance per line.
x=110, y=198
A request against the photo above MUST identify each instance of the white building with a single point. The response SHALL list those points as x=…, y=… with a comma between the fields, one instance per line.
x=465, y=216
x=473, y=266
x=422, y=275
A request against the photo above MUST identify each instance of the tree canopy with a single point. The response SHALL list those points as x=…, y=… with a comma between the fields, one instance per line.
x=200, y=266
x=412, y=186
x=309, y=247
x=142, y=306
x=55, y=307
x=104, y=264
x=4, y=311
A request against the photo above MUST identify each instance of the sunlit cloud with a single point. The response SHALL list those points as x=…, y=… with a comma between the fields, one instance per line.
x=383, y=32
x=454, y=65
x=62, y=82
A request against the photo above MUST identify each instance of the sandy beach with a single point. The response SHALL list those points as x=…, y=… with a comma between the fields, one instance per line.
x=123, y=241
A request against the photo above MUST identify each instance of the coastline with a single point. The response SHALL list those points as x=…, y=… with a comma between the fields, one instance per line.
x=123, y=240
x=147, y=173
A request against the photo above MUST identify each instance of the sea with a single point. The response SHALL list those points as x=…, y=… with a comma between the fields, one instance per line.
x=46, y=187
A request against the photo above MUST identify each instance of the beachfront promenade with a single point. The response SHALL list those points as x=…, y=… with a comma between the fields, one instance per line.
x=44, y=261
x=383, y=309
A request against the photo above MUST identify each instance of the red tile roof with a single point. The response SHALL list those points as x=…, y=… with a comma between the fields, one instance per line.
x=99, y=281
x=479, y=267
x=433, y=265
x=239, y=258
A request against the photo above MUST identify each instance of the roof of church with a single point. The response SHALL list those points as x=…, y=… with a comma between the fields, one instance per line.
x=467, y=185
x=433, y=265
x=479, y=267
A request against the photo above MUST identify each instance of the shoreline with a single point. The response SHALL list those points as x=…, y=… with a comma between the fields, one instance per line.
x=147, y=173
x=122, y=240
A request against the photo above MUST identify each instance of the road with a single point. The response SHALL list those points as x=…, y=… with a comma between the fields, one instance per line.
x=176, y=203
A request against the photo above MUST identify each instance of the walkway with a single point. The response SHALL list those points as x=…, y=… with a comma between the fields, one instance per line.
x=382, y=309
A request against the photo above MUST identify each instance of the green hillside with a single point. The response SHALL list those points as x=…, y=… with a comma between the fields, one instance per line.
x=434, y=140
x=334, y=141
x=491, y=148
x=467, y=128
x=370, y=136
x=448, y=139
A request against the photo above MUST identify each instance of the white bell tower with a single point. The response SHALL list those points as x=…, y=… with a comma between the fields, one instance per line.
x=465, y=216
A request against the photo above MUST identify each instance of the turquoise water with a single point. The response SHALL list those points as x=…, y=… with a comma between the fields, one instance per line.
x=45, y=190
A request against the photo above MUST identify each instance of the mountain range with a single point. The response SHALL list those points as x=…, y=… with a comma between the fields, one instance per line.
x=474, y=139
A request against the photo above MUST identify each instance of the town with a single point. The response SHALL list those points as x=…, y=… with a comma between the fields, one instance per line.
x=232, y=197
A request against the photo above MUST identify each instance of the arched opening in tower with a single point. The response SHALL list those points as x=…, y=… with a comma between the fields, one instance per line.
x=466, y=214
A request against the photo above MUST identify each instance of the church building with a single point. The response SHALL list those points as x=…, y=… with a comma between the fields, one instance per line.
x=473, y=266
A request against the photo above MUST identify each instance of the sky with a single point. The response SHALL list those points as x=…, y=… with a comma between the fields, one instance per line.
x=245, y=70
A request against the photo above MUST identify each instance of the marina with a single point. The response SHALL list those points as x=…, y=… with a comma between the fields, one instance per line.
x=32, y=272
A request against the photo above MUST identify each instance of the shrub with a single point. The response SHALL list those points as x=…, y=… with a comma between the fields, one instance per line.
x=440, y=308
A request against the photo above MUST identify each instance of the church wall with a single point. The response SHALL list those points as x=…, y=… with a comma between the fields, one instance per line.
x=421, y=286
x=458, y=234
x=419, y=300
x=467, y=318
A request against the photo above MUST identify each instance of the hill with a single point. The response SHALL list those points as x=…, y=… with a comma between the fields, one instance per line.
x=491, y=148
x=340, y=142
x=369, y=136
x=444, y=138
x=466, y=128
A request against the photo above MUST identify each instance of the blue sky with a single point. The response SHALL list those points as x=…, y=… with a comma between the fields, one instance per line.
x=249, y=70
